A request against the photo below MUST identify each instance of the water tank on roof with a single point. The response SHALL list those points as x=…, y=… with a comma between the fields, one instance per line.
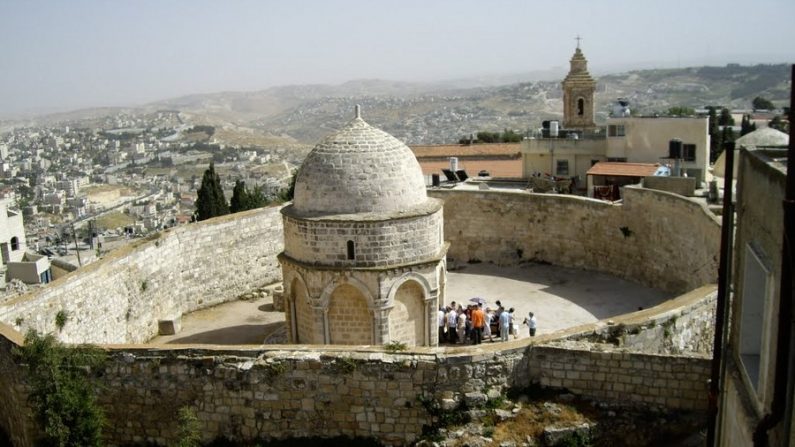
x=553, y=129
x=453, y=164
x=675, y=148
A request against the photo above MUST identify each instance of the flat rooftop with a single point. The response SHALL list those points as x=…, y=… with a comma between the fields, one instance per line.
x=560, y=298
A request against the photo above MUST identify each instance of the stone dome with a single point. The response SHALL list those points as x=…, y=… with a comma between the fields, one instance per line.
x=359, y=169
x=766, y=136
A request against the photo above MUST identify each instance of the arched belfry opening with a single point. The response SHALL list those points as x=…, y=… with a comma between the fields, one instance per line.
x=353, y=254
x=578, y=93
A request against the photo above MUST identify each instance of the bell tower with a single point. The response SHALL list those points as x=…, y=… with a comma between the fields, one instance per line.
x=578, y=93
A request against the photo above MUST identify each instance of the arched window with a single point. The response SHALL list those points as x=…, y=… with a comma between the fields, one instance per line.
x=14, y=243
x=580, y=106
x=351, y=250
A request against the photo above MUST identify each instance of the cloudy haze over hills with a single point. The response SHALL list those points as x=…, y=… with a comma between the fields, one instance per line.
x=60, y=56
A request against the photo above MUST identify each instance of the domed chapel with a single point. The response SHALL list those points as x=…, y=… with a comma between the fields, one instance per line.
x=364, y=251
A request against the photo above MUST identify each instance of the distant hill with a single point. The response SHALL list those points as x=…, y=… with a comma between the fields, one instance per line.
x=444, y=112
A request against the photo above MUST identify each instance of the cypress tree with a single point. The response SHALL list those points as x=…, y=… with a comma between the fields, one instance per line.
x=210, y=200
x=240, y=198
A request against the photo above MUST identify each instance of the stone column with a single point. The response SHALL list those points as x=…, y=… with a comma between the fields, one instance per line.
x=326, y=331
x=431, y=308
x=381, y=325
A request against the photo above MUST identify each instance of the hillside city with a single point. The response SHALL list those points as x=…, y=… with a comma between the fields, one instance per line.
x=86, y=185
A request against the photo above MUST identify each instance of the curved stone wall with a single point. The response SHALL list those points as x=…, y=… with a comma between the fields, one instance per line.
x=658, y=239
x=246, y=393
x=378, y=243
x=120, y=298
x=655, y=238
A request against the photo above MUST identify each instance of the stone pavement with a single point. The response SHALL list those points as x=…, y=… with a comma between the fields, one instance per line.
x=560, y=297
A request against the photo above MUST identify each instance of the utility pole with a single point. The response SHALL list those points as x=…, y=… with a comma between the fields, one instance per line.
x=77, y=249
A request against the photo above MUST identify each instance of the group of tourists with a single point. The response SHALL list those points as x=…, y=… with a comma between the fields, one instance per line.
x=472, y=325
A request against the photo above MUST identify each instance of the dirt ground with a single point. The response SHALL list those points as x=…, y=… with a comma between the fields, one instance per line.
x=559, y=297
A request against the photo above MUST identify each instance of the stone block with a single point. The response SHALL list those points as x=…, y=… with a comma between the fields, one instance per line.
x=169, y=326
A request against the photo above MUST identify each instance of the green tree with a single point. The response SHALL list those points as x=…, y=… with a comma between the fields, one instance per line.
x=288, y=193
x=210, y=200
x=778, y=124
x=681, y=111
x=488, y=137
x=746, y=126
x=725, y=118
x=240, y=198
x=509, y=136
x=61, y=395
x=760, y=103
x=257, y=198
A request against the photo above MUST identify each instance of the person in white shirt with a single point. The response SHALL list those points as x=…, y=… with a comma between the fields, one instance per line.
x=452, y=319
x=531, y=322
x=441, y=319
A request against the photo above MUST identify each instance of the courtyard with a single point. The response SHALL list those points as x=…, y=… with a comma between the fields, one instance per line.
x=560, y=297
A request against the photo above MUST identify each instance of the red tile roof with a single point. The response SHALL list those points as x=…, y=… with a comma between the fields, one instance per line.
x=620, y=169
x=496, y=168
x=461, y=150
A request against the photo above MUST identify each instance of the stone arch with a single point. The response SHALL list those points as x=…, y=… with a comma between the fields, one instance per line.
x=407, y=318
x=302, y=315
x=325, y=296
x=422, y=280
x=580, y=106
x=349, y=316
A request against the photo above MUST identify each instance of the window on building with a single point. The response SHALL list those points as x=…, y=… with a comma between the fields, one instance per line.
x=580, y=107
x=756, y=294
x=689, y=152
x=14, y=243
x=615, y=130
x=351, y=250
x=617, y=159
x=562, y=167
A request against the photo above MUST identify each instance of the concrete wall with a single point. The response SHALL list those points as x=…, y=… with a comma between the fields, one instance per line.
x=542, y=154
x=120, y=298
x=760, y=226
x=684, y=186
x=646, y=140
x=655, y=238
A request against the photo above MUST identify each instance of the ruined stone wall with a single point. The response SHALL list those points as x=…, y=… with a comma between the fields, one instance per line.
x=120, y=298
x=683, y=325
x=247, y=393
x=664, y=380
x=658, y=239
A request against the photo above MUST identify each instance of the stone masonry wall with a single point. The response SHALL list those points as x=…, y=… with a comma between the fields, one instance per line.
x=658, y=239
x=377, y=243
x=247, y=393
x=683, y=325
x=120, y=298
x=664, y=380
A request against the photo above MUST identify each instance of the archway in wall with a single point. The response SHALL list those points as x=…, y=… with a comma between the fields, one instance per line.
x=349, y=319
x=303, y=313
x=407, y=317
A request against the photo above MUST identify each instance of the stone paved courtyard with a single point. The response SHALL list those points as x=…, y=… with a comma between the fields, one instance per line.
x=560, y=297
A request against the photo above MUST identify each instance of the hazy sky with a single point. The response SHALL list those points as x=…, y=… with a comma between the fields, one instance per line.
x=60, y=54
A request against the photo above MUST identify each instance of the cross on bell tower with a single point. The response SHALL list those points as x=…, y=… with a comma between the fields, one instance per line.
x=578, y=93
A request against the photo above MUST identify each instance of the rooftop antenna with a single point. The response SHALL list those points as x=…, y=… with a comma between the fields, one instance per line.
x=358, y=109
